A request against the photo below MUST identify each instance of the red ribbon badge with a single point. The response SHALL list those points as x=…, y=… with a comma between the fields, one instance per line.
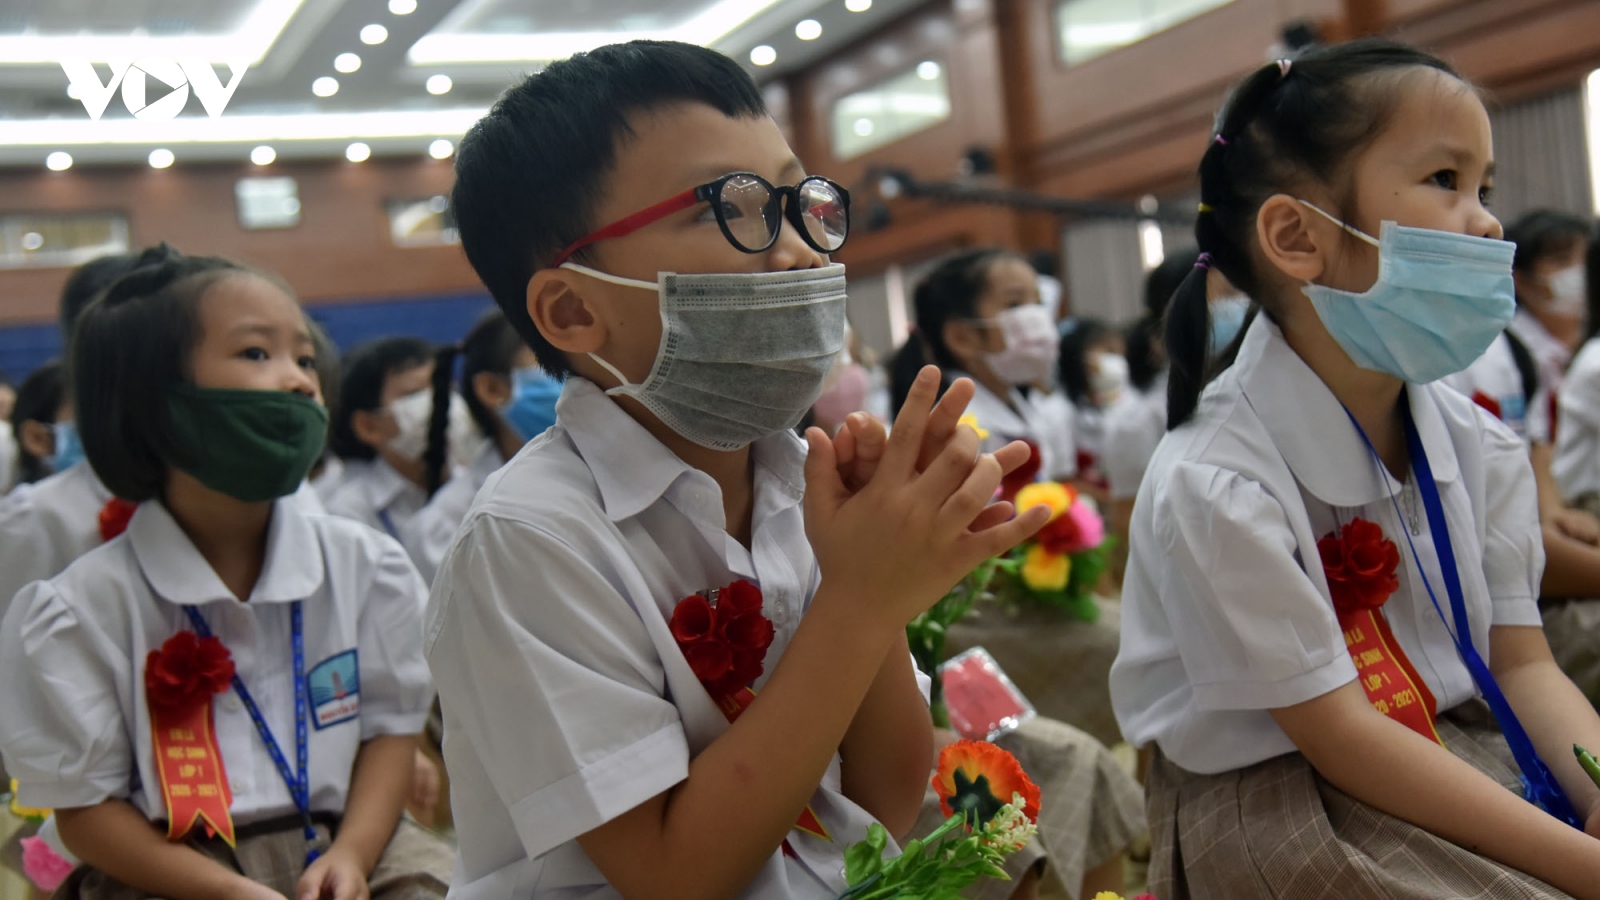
x=1360, y=563
x=179, y=680
x=725, y=638
x=114, y=517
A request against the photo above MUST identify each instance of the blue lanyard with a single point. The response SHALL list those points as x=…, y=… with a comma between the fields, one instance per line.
x=388, y=523
x=1539, y=784
x=299, y=787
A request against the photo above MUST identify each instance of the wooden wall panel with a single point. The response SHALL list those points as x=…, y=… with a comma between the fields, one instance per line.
x=340, y=250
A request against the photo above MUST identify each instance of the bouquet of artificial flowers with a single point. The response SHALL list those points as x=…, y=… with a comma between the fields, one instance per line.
x=1060, y=566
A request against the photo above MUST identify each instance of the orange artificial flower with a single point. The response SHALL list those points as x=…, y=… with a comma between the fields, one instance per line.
x=979, y=778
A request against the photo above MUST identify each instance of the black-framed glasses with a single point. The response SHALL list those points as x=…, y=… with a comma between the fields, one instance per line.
x=750, y=211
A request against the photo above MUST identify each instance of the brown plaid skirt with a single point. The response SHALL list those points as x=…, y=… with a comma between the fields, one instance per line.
x=1278, y=831
x=1062, y=665
x=1089, y=812
x=415, y=866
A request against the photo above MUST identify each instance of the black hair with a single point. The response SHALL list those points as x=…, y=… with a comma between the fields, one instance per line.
x=491, y=346
x=1591, y=271
x=130, y=348
x=86, y=282
x=949, y=293
x=366, y=369
x=1072, y=365
x=1542, y=232
x=38, y=400
x=327, y=372
x=1146, y=357
x=530, y=174
x=1283, y=125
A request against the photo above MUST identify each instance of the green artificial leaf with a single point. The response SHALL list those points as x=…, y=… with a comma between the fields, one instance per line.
x=865, y=859
x=994, y=871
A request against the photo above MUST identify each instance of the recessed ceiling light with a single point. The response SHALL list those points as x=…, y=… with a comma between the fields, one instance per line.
x=858, y=5
x=161, y=157
x=763, y=55
x=357, y=152
x=326, y=86
x=263, y=155
x=374, y=34
x=441, y=149
x=440, y=84
x=864, y=127
x=73, y=92
x=59, y=161
x=402, y=7
x=808, y=30
x=928, y=70
x=33, y=240
x=346, y=63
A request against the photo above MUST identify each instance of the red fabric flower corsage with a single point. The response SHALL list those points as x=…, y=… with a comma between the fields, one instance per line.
x=1024, y=475
x=114, y=517
x=1360, y=564
x=725, y=642
x=186, y=671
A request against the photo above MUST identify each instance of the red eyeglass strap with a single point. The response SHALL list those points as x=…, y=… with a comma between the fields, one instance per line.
x=629, y=224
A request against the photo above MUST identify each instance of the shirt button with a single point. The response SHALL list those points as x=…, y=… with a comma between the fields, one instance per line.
x=232, y=704
x=238, y=786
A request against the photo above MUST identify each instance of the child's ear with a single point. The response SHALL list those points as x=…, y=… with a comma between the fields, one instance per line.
x=962, y=338
x=373, y=427
x=1292, y=241
x=37, y=438
x=566, y=319
x=494, y=391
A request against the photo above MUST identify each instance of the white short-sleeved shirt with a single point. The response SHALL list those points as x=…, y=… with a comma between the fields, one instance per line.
x=74, y=724
x=1134, y=426
x=566, y=699
x=430, y=532
x=1551, y=357
x=1223, y=620
x=1045, y=420
x=8, y=457
x=1576, y=466
x=371, y=492
x=46, y=525
x=1495, y=376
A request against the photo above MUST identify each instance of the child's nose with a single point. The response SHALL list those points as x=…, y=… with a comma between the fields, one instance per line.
x=791, y=251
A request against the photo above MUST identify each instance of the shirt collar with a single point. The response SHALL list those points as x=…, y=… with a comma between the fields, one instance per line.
x=1312, y=431
x=385, y=485
x=631, y=468
x=179, y=574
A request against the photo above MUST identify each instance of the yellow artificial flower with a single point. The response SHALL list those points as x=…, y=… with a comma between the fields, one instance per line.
x=27, y=813
x=1107, y=895
x=1046, y=571
x=1057, y=496
x=971, y=421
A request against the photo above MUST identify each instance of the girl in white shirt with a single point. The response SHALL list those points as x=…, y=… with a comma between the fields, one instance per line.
x=511, y=400
x=1322, y=523
x=979, y=316
x=229, y=659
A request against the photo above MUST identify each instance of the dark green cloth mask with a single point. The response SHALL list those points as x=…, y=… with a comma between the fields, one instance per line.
x=251, y=445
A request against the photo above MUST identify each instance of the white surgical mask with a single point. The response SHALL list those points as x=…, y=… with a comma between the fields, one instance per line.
x=414, y=411
x=1032, y=346
x=1569, y=291
x=1108, y=378
x=742, y=355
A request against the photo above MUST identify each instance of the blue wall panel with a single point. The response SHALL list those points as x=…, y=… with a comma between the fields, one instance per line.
x=442, y=319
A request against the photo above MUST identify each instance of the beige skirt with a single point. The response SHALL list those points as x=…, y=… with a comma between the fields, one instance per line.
x=1062, y=665
x=415, y=866
x=1089, y=812
x=1279, y=831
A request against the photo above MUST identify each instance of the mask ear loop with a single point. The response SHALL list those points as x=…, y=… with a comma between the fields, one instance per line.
x=1339, y=222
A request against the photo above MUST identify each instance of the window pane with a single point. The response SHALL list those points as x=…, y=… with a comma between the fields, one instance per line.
x=903, y=105
x=1089, y=28
x=267, y=202
x=30, y=240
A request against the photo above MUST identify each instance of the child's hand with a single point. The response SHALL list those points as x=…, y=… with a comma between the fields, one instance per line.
x=336, y=875
x=860, y=443
x=252, y=890
x=903, y=540
x=424, y=802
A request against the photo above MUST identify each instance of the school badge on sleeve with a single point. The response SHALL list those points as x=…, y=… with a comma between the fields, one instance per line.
x=335, y=689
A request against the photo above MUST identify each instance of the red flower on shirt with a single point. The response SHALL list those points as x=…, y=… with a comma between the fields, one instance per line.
x=1360, y=564
x=725, y=643
x=114, y=517
x=1487, y=402
x=186, y=671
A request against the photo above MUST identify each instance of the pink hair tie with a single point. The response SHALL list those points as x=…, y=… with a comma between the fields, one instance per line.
x=1203, y=262
x=1220, y=139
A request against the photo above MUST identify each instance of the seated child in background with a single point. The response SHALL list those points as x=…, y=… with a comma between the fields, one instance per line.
x=198, y=396
x=587, y=756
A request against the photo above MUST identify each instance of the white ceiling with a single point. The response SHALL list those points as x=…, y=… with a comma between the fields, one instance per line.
x=482, y=45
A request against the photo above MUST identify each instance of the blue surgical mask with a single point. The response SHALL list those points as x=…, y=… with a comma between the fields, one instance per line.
x=1227, y=318
x=532, y=407
x=1440, y=300
x=69, y=450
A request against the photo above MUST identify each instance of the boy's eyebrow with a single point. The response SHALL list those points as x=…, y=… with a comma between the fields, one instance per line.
x=704, y=174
